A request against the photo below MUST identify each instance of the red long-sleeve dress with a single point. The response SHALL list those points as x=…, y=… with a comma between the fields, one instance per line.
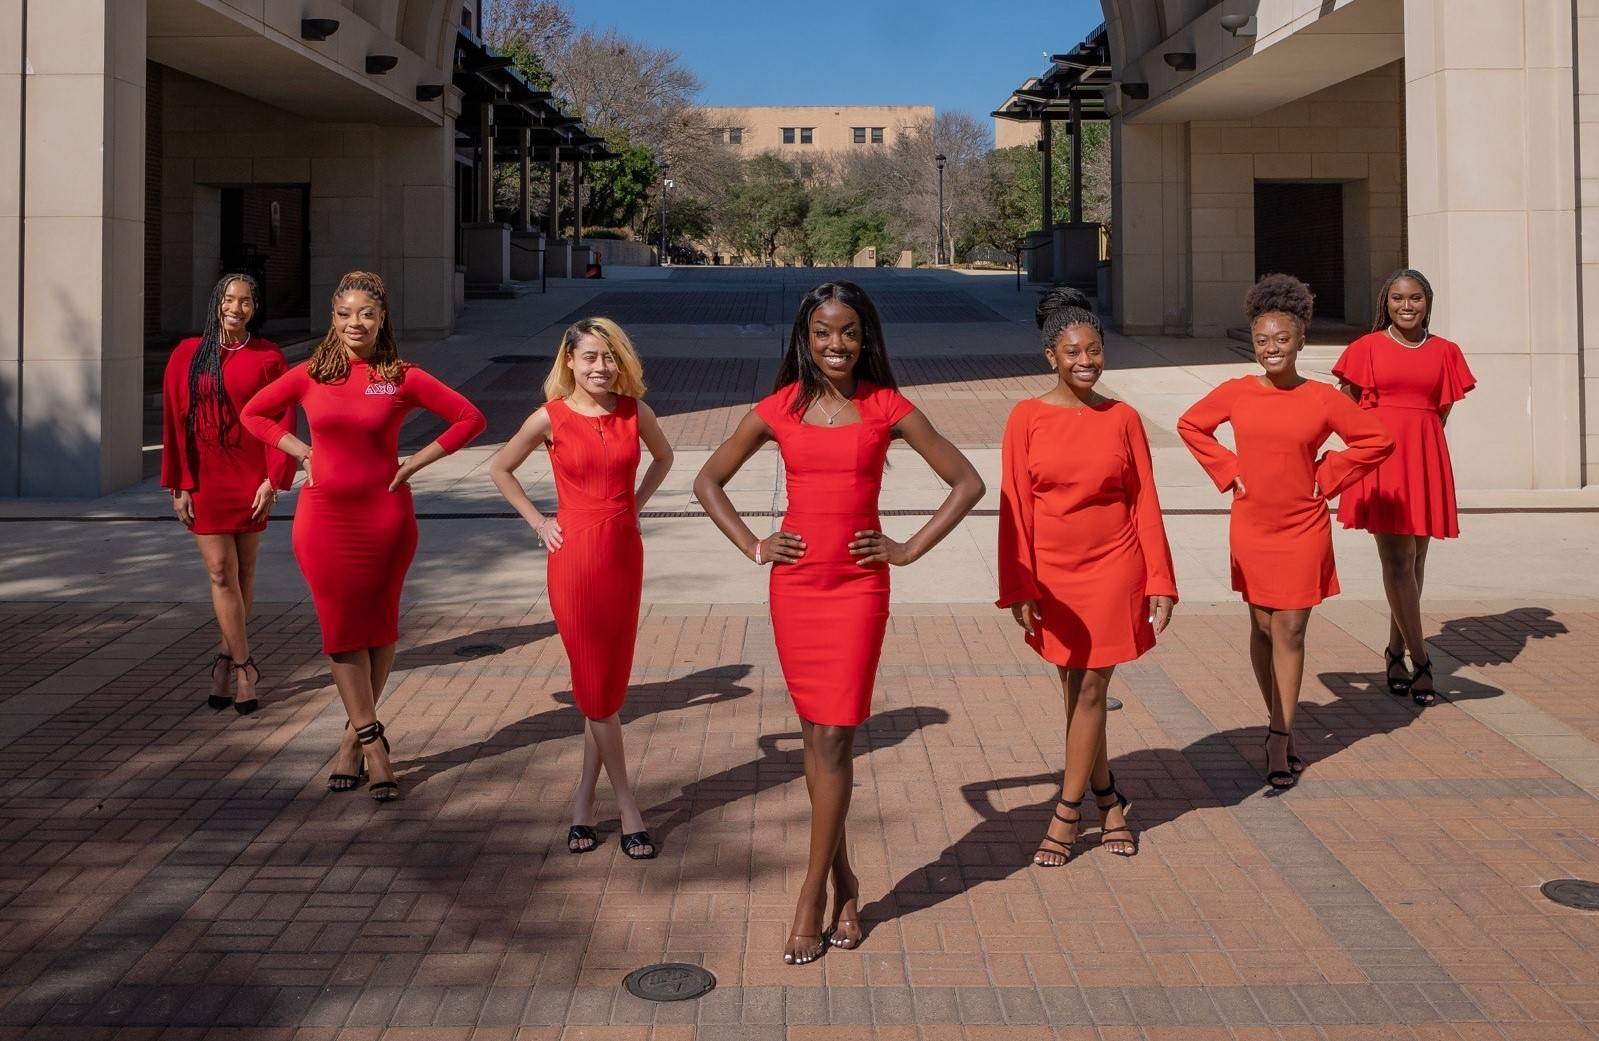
x=354, y=539
x=829, y=613
x=221, y=473
x=596, y=578
x=1412, y=492
x=1080, y=531
x=1282, y=553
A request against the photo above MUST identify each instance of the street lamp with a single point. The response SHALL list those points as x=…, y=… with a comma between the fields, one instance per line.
x=666, y=182
x=938, y=253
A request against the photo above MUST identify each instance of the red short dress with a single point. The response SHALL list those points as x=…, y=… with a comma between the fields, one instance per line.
x=1412, y=492
x=829, y=613
x=1080, y=531
x=221, y=470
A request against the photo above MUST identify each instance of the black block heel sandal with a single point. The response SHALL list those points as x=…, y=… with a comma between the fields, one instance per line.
x=1397, y=687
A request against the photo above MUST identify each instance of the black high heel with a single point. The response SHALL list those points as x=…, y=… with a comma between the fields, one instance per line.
x=338, y=782
x=218, y=702
x=1062, y=850
x=1296, y=764
x=244, y=708
x=1107, y=835
x=1422, y=697
x=1282, y=780
x=1397, y=687
x=382, y=791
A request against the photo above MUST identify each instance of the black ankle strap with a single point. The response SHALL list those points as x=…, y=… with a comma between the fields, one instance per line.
x=1104, y=791
x=1424, y=669
x=248, y=663
x=1279, y=733
x=373, y=731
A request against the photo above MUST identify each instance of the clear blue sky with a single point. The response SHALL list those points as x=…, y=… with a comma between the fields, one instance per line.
x=951, y=54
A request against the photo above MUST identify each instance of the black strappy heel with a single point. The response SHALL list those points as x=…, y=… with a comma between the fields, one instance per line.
x=1397, y=687
x=1296, y=764
x=218, y=702
x=1422, y=697
x=638, y=840
x=338, y=782
x=1062, y=849
x=244, y=708
x=382, y=791
x=581, y=833
x=1282, y=780
x=1124, y=834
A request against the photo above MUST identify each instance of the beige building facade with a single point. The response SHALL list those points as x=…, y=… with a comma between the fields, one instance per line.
x=1340, y=139
x=798, y=131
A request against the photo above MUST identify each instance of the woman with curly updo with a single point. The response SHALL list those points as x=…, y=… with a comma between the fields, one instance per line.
x=1281, y=538
x=355, y=526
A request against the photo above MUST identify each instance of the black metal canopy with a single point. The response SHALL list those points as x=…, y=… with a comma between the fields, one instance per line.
x=1081, y=74
x=485, y=76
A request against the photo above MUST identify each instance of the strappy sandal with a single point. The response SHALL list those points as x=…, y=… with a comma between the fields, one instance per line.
x=1282, y=780
x=637, y=840
x=381, y=791
x=1124, y=839
x=1422, y=697
x=1062, y=849
x=244, y=708
x=218, y=702
x=342, y=782
x=579, y=833
x=1296, y=764
x=790, y=959
x=1397, y=687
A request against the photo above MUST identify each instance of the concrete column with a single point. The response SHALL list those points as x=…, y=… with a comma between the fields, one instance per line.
x=524, y=155
x=1077, y=160
x=1150, y=205
x=1046, y=145
x=577, y=201
x=72, y=206
x=418, y=229
x=552, y=218
x=485, y=170
x=1588, y=223
x=1493, y=224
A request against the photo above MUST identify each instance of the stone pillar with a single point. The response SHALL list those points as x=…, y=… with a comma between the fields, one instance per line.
x=524, y=155
x=1491, y=143
x=485, y=170
x=1046, y=202
x=1150, y=204
x=71, y=318
x=552, y=218
x=577, y=201
x=1077, y=160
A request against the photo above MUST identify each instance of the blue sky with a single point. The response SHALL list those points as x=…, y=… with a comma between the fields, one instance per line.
x=951, y=54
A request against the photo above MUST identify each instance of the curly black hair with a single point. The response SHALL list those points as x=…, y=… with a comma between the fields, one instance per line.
x=1064, y=306
x=1384, y=319
x=1281, y=294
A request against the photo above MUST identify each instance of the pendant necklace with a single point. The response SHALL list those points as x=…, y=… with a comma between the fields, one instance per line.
x=833, y=414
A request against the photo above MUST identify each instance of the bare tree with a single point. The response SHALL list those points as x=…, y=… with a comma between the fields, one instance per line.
x=530, y=31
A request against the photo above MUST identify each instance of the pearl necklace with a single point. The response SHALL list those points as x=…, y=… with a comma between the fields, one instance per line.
x=1425, y=335
x=241, y=345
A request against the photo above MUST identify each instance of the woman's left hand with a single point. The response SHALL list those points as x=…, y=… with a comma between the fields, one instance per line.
x=265, y=496
x=402, y=476
x=1160, y=608
x=873, y=547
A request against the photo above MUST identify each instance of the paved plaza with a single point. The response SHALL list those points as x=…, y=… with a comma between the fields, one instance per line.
x=167, y=872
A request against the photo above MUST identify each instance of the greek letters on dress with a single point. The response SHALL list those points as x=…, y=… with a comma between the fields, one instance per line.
x=354, y=539
x=1412, y=492
x=221, y=474
x=596, y=578
x=1080, y=531
x=829, y=613
x=1281, y=537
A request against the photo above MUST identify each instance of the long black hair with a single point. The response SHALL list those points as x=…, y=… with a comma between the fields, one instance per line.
x=798, y=365
x=210, y=411
x=1384, y=319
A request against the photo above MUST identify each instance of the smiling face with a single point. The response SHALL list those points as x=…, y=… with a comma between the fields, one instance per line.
x=1407, y=307
x=1078, y=356
x=357, y=317
x=836, y=338
x=593, y=365
x=1278, y=340
x=236, y=310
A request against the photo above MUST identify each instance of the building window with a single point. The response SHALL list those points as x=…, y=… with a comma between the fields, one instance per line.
x=858, y=135
x=877, y=135
x=788, y=135
x=805, y=135
x=735, y=135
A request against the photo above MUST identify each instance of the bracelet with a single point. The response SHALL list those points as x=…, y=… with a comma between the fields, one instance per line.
x=757, y=551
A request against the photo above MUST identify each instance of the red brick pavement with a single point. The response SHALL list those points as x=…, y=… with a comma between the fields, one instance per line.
x=168, y=872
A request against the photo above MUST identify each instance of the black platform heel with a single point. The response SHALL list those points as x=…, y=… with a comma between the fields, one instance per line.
x=382, y=791
x=1422, y=697
x=1125, y=838
x=244, y=708
x=1281, y=780
x=218, y=702
x=1062, y=849
x=1397, y=687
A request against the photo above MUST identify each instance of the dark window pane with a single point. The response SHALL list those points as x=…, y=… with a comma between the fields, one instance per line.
x=877, y=135
x=859, y=135
x=805, y=135
x=788, y=135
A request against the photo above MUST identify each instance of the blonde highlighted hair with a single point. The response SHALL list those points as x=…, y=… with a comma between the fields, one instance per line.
x=629, y=370
x=330, y=362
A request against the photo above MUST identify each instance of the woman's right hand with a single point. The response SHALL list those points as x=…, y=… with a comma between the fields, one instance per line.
x=549, y=532
x=305, y=461
x=1238, y=487
x=781, y=547
x=183, y=508
x=1026, y=615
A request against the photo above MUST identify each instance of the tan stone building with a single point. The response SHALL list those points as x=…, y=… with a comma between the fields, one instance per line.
x=1010, y=133
x=798, y=131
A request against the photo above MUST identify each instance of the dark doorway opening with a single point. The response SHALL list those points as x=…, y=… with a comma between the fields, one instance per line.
x=1299, y=231
x=265, y=234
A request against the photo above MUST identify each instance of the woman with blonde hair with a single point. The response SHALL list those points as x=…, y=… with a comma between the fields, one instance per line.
x=355, y=525
x=591, y=424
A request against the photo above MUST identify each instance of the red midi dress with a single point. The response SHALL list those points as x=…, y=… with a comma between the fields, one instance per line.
x=221, y=472
x=596, y=578
x=1412, y=492
x=1080, y=531
x=829, y=613
x=1281, y=537
x=354, y=539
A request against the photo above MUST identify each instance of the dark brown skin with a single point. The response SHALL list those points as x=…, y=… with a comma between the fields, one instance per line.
x=835, y=345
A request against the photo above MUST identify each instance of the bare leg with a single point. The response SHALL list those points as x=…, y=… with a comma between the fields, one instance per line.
x=1085, y=742
x=829, y=773
x=222, y=568
x=844, y=925
x=607, y=737
x=583, y=799
x=352, y=674
x=1399, y=581
x=1288, y=669
x=380, y=662
x=1260, y=659
x=1419, y=654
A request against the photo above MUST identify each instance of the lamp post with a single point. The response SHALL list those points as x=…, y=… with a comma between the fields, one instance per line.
x=938, y=253
x=666, y=182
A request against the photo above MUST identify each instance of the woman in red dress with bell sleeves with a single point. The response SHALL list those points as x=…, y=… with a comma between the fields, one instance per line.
x=1282, y=554
x=355, y=525
x=1409, y=379
x=224, y=482
x=833, y=413
x=591, y=424
x=1084, y=564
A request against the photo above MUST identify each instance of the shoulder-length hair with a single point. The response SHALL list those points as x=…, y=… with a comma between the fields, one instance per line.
x=799, y=367
x=629, y=369
x=330, y=362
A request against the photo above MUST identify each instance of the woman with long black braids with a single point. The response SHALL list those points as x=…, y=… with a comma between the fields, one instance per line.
x=224, y=482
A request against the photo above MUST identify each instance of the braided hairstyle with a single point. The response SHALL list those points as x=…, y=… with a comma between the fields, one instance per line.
x=1281, y=294
x=210, y=412
x=799, y=367
x=1062, y=307
x=1384, y=319
x=330, y=362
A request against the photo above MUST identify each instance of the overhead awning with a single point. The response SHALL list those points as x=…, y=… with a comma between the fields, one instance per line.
x=1082, y=74
x=487, y=77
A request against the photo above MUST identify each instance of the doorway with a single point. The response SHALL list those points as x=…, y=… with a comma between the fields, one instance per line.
x=1299, y=231
x=264, y=234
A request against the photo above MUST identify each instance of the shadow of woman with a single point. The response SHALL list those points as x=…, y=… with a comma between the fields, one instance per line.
x=696, y=689
x=1496, y=639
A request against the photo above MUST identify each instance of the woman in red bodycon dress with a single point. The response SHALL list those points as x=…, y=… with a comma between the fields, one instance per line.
x=591, y=423
x=1083, y=561
x=1282, y=554
x=832, y=415
x=1409, y=379
x=355, y=526
x=223, y=482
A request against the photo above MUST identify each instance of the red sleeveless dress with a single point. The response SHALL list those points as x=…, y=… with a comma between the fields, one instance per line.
x=596, y=578
x=829, y=613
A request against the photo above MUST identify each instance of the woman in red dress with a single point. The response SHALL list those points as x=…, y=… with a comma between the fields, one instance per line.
x=1083, y=562
x=1409, y=379
x=1282, y=554
x=223, y=483
x=355, y=526
x=591, y=424
x=833, y=412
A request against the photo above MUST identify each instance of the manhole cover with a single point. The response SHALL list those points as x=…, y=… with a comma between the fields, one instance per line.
x=477, y=650
x=517, y=359
x=669, y=981
x=1573, y=892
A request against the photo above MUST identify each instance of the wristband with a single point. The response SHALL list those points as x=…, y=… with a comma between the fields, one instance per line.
x=757, y=551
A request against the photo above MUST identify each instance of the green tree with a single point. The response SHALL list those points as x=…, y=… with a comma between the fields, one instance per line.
x=768, y=203
x=687, y=220
x=619, y=189
x=840, y=223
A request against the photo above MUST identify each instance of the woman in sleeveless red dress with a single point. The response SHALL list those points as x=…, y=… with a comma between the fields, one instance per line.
x=355, y=525
x=591, y=424
x=1281, y=537
x=1409, y=379
x=224, y=482
x=832, y=415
